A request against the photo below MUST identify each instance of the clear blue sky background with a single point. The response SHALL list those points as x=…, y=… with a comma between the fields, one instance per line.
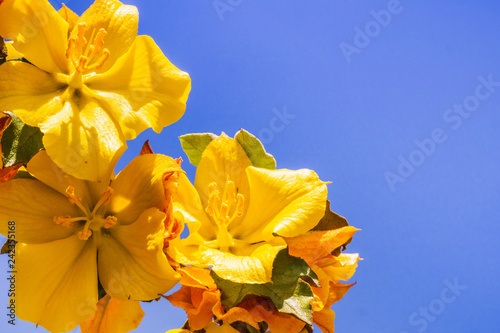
x=361, y=106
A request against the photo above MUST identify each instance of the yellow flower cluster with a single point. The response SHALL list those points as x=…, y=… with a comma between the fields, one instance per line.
x=90, y=245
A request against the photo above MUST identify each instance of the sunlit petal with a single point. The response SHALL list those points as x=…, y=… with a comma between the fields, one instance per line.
x=38, y=32
x=120, y=22
x=31, y=93
x=143, y=89
x=139, y=186
x=84, y=141
x=131, y=261
x=58, y=293
x=32, y=206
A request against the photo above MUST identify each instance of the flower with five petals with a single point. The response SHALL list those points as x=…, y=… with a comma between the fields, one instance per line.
x=237, y=213
x=72, y=233
x=91, y=83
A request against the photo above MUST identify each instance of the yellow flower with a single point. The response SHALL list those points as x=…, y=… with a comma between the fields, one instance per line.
x=93, y=84
x=236, y=213
x=72, y=232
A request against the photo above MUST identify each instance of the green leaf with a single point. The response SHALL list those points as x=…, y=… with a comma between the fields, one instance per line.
x=288, y=291
x=194, y=145
x=332, y=221
x=255, y=150
x=20, y=142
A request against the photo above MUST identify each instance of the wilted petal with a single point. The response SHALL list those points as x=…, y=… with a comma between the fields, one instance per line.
x=318, y=244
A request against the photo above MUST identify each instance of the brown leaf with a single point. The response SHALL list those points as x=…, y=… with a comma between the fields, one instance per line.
x=146, y=148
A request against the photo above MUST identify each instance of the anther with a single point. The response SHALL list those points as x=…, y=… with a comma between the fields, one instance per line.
x=110, y=221
x=240, y=204
x=65, y=221
x=213, y=202
x=99, y=63
x=81, y=41
x=85, y=234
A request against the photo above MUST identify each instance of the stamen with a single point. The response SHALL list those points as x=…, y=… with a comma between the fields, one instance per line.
x=70, y=51
x=67, y=221
x=86, y=232
x=230, y=192
x=99, y=41
x=240, y=205
x=109, y=222
x=73, y=199
x=99, y=63
x=103, y=200
x=212, y=187
x=83, y=53
x=213, y=203
x=82, y=64
x=223, y=216
x=81, y=41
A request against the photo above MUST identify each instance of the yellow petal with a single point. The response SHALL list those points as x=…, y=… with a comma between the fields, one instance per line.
x=32, y=94
x=69, y=16
x=188, y=203
x=38, y=32
x=143, y=89
x=46, y=171
x=132, y=264
x=256, y=268
x=32, y=206
x=83, y=141
x=12, y=53
x=139, y=186
x=285, y=202
x=56, y=284
x=114, y=316
x=317, y=244
x=119, y=21
x=222, y=160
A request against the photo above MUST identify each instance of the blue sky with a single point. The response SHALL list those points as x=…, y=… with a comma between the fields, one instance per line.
x=397, y=103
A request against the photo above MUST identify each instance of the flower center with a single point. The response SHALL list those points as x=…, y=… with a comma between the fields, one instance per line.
x=223, y=210
x=87, y=56
x=93, y=219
